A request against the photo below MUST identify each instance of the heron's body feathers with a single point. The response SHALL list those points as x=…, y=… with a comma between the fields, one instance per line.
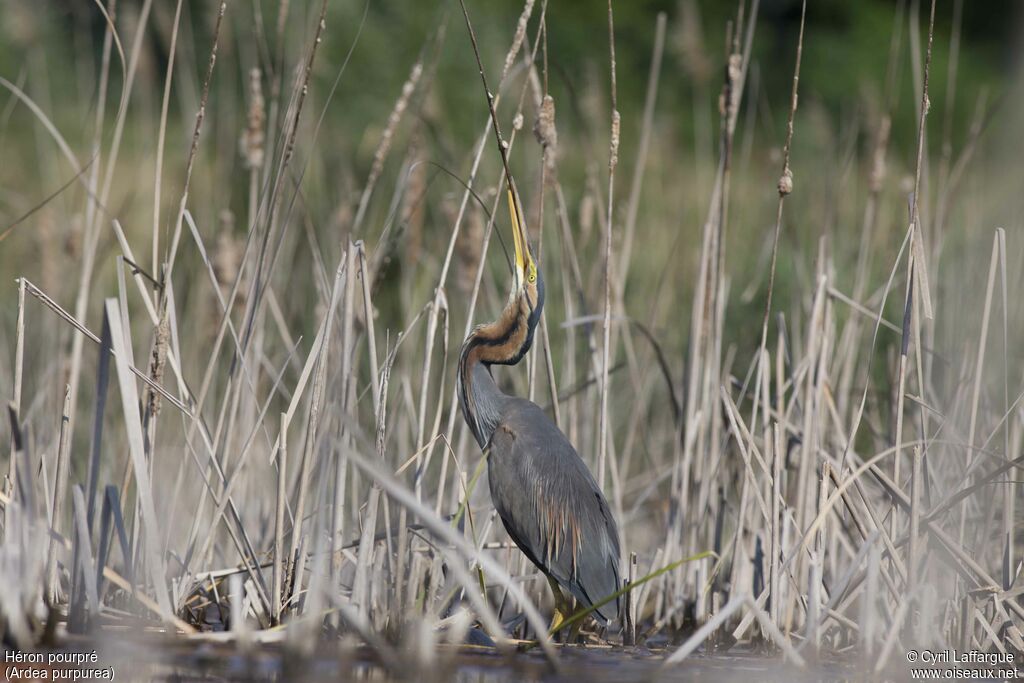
x=546, y=497
x=551, y=506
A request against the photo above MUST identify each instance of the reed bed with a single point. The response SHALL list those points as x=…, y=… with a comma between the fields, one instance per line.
x=230, y=345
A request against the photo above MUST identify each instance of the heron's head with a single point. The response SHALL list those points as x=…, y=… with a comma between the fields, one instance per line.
x=527, y=284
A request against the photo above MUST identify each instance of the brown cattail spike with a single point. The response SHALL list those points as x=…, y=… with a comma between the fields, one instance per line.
x=253, y=138
x=544, y=127
x=786, y=182
x=613, y=160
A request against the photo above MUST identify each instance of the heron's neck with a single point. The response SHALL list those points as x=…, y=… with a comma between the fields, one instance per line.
x=502, y=342
x=481, y=400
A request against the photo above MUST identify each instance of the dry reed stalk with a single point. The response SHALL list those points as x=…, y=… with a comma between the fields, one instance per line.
x=386, y=139
x=60, y=483
x=817, y=589
x=979, y=370
x=896, y=625
x=338, y=526
x=613, y=162
x=917, y=241
x=777, y=456
x=444, y=532
x=942, y=186
x=546, y=134
x=110, y=38
x=817, y=373
x=785, y=187
x=115, y=578
x=901, y=384
x=160, y=348
x=83, y=566
x=913, y=546
x=297, y=559
x=279, y=515
x=129, y=399
x=252, y=146
x=504, y=147
x=15, y=405
x=162, y=136
x=225, y=501
x=703, y=411
x=969, y=563
x=271, y=204
x=92, y=232
x=733, y=606
x=47, y=301
x=643, y=149
x=493, y=101
x=253, y=302
x=361, y=591
x=1010, y=491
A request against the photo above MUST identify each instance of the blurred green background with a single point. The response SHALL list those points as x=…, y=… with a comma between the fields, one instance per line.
x=53, y=49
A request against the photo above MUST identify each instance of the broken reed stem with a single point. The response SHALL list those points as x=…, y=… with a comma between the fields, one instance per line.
x=85, y=333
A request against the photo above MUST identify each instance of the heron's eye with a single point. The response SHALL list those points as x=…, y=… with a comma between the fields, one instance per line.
x=533, y=276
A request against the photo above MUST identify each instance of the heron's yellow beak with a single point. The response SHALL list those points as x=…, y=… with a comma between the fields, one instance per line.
x=519, y=236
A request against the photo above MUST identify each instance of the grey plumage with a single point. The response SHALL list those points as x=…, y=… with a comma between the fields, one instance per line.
x=562, y=523
x=546, y=497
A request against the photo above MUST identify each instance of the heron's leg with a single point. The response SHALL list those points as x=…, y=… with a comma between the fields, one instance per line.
x=574, y=632
x=561, y=606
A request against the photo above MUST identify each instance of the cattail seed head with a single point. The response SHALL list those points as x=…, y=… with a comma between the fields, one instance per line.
x=517, y=40
x=393, y=120
x=613, y=160
x=729, y=99
x=544, y=127
x=252, y=143
x=468, y=245
x=786, y=182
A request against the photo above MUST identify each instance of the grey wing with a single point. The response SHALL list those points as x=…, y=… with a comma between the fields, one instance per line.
x=552, y=507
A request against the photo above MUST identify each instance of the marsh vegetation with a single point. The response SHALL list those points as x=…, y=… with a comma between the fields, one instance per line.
x=242, y=244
